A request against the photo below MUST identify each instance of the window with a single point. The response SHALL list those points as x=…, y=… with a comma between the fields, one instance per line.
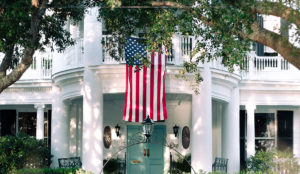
x=243, y=130
x=27, y=123
x=7, y=122
x=285, y=130
x=260, y=49
x=264, y=131
x=271, y=131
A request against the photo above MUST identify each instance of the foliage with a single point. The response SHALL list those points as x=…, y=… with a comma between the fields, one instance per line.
x=221, y=40
x=183, y=163
x=110, y=166
x=53, y=171
x=23, y=151
x=274, y=162
x=261, y=161
x=224, y=29
x=286, y=162
x=15, y=19
x=30, y=171
x=30, y=26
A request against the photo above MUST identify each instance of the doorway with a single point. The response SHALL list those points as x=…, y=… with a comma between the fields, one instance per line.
x=145, y=158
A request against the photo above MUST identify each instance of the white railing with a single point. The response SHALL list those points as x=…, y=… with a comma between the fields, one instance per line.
x=186, y=45
x=269, y=68
x=41, y=67
x=107, y=58
x=217, y=64
x=254, y=67
x=262, y=63
x=73, y=55
x=171, y=55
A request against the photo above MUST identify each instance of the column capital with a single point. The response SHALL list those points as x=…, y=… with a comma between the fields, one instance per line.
x=39, y=106
x=250, y=106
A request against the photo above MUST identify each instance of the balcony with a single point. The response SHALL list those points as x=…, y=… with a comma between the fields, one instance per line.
x=270, y=68
x=73, y=55
x=41, y=67
x=179, y=50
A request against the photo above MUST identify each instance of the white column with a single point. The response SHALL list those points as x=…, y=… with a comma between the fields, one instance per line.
x=250, y=108
x=251, y=64
x=296, y=134
x=59, y=124
x=176, y=48
x=39, y=121
x=92, y=144
x=92, y=38
x=92, y=128
x=231, y=132
x=202, y=125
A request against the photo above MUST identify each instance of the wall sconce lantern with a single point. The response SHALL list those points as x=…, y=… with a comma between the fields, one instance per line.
x=148, y=127
x=117, y=128
x=175, y=130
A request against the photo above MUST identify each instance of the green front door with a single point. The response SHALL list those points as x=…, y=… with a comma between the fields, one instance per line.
x=145, y=158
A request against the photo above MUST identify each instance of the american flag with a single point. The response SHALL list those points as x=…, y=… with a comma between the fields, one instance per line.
x=145, y=86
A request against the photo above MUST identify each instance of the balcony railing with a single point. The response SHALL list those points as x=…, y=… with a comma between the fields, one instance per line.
x=73, y=55
x=41, y=67
x=106, y=58
x=268, y=68
x=255, y=67
x=183, y=45
x=186, y=45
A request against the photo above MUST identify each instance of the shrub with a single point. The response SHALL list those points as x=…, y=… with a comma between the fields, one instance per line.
x=111, y=166
x=285, y=162
x=262, y=161
x=273, y=162
x=182, y=164
x=53, y=171
x=30, y=171
x=22, y=151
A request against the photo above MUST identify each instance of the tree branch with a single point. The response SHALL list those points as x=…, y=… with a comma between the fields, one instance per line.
x=7, y=60
x=275, y=41
x=269, y=8
x=280, y=10
x=181, y=6
x=35, y=3
x=2, y=7
x=28, y=50
x=16, y=74
x=168, y=4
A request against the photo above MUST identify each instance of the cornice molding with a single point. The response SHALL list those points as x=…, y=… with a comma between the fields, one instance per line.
x=269, y=86
x=63, y=77
x=27, y=89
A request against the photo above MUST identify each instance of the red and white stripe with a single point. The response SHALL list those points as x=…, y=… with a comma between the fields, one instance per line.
x=145, y=91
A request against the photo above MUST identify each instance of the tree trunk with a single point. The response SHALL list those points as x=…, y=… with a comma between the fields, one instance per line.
x=17, y=73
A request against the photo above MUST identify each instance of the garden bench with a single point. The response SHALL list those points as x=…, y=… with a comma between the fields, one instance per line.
x=69, y=162
x=220, y=165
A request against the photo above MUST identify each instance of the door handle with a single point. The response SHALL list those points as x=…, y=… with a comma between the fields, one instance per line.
x=148, y=152
x=144, y=152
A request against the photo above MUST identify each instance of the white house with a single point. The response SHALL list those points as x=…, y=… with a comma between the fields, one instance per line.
x=71, y=99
